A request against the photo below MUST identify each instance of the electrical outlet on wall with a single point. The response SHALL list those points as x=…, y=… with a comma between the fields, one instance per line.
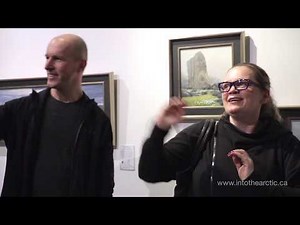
x=127, y=157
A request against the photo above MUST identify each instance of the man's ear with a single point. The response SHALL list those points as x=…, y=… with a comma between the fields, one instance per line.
x=82, y=64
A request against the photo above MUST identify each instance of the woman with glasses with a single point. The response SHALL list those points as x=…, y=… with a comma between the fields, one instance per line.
x=249, y=154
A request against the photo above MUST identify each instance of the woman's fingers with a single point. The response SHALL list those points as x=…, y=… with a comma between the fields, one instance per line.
x=171, y=114
x=243, y=162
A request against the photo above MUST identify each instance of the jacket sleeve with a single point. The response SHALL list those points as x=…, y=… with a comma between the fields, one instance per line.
x=161, y=161
x=291, y=161
x=7, y=114
x=11, y=113
x=107, y=181
x=290, y=185
x=2, y=119
x=151, y=158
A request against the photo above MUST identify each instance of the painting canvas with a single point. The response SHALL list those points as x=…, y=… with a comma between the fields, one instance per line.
x=199, y=75
x=96, y=92
x=295, y=127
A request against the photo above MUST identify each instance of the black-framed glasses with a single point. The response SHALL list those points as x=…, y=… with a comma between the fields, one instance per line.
x=241, y=84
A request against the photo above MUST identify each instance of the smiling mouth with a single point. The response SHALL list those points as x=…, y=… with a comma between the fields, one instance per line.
x=235, y=99
x=51, y=75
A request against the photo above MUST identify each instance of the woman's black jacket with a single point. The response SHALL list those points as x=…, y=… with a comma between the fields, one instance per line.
x=274, y=150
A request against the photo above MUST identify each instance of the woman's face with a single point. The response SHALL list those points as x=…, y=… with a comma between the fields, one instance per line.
x=243, y=103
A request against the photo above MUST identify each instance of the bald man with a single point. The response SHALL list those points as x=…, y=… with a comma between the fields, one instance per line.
x=59, y=142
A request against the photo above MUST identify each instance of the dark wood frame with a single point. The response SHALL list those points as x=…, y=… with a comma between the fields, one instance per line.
x=22, y=87
x=290, y=114
x=236, y=41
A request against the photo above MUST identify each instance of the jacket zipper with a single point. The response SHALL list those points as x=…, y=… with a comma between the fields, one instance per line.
x=213, y=159
x=72, y=158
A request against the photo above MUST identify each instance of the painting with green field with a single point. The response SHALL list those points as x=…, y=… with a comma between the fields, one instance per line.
x=200, y=74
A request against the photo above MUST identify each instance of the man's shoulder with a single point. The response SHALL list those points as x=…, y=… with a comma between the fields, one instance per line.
x=26, y=100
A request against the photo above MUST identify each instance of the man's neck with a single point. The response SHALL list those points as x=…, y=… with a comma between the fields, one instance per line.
x=66, y=97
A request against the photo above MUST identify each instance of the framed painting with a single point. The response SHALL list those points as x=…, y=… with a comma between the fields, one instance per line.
x=197, y=65
x=294, y=124
x=100, y=87
x=291, y=119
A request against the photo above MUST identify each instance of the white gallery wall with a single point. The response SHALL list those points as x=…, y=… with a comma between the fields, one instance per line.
x=139, y=58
